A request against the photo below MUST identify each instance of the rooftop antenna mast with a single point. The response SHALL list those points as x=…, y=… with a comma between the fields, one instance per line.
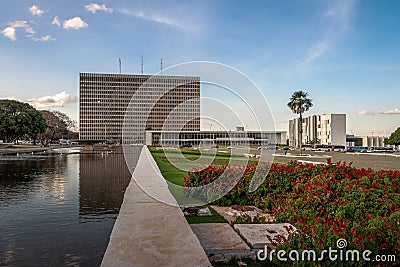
x=161, y=65
x=141, y=66
x=120, y=70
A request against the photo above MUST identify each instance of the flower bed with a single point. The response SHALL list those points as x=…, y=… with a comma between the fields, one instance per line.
x=324, y=202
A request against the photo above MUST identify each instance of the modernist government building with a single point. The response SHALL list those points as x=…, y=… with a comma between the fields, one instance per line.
x=105, y=99
x=152, y=110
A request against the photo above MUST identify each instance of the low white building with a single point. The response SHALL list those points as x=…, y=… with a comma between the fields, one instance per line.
x=229, y=138
x=367, y=141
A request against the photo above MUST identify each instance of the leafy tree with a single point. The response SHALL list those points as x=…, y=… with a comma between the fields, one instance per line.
x=59, y=125
x=19, y=119
x=314, y=141
x=71, y=124
x=56, y=127
x=394, y=138
x=298, y=104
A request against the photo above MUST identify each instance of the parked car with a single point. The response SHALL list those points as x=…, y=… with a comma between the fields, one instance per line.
x=187, y=145
x=63, y=142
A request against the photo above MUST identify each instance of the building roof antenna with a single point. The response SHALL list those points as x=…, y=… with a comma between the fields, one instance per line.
x=141, y=66
x=161, y=65
x=119, y=60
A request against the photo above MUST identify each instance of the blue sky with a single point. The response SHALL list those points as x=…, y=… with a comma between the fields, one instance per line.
x=345, y=54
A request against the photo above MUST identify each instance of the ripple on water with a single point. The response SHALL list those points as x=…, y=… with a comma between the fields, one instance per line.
x=59, y=211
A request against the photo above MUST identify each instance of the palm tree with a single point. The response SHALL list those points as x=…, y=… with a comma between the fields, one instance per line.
x=298, y=104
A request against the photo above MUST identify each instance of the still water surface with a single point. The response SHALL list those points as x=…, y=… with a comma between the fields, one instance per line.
x=59, y=210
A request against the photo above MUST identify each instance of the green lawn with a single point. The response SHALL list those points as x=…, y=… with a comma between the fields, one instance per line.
x=166, y=160
x=169, y=171
x=214, y=218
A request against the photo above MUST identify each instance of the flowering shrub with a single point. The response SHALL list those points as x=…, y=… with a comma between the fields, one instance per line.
x=324, y=202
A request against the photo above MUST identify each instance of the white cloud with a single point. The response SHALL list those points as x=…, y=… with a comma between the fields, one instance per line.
x=364, y=112
x=342, y=13
x=57, y=100
x=155, y=17
x=316, y=52
x=9, y=32
x=30, y=30
x=387, y=112
x=10, y=98
x=93, y=7
x=75, y=23
x=11, y=29
x=393, y=111
x=339, y=17
x=36, y=11
x=46, y=38
x=56, y=21
x=331, y=12
x=18, y=24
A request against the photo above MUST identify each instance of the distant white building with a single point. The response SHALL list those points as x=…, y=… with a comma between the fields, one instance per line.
x=326, y=129
x=367, y=141
x=229, y=138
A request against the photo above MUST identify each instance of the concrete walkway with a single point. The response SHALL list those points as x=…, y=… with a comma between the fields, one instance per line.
x=148, y=232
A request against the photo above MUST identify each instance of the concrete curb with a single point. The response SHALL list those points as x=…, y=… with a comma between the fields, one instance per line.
x=148, y=232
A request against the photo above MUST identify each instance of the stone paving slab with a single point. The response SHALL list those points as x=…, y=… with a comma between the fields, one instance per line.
x=147, y=173
x=151, y=233
x=136, y=194
x=221, y=242
x=260, y=235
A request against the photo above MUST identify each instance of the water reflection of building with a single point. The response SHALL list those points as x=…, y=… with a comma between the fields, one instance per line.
x=103, y=180
x=24, y=176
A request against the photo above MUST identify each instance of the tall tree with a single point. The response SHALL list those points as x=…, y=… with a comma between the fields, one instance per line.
x=56, y=128
x=394, y=138
x=298, y=104
x=19, y=119
x=71, y=124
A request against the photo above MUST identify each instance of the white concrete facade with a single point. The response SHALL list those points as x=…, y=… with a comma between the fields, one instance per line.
x=175, y=138
x=367, y=140
x=326, y=129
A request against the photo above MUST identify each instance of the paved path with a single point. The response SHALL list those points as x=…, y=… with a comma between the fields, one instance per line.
x=148, y=232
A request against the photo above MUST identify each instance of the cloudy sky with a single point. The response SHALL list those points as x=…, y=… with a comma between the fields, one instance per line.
x=344, y=53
